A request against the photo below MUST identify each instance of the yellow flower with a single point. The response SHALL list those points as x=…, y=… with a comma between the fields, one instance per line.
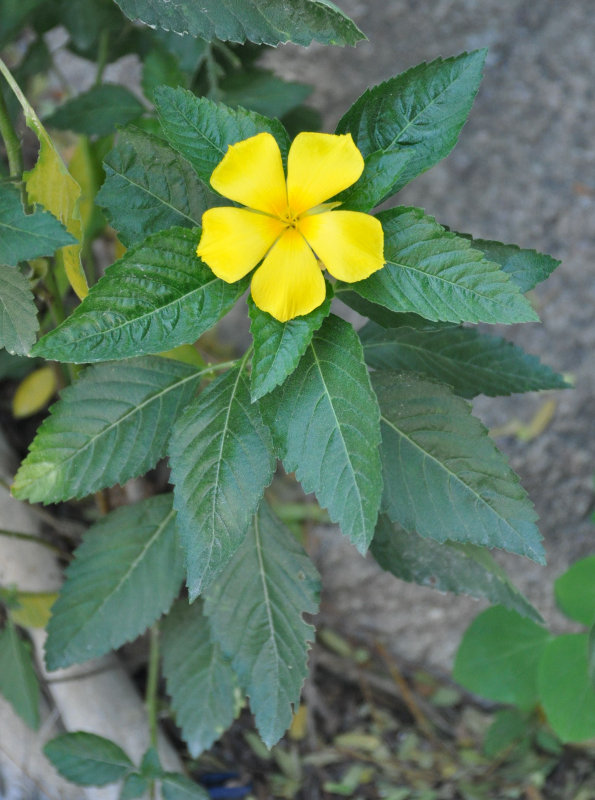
x=288, y=223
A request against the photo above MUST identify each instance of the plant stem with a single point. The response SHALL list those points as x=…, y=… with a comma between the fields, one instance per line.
x=55, y=300
x=152, y=680
x=31, y=537
x=11, y=142
x=102, y=55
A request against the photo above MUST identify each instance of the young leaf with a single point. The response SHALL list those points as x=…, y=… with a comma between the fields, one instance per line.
x=222, y=460
x=444, y=478
x=51, y=185
x=202, y=130
x=421, y=110
x=125, y=574
x=499, y=656
x=380, y=173
x=18, y=313
x=113, y=424
x=575, y=591
x=526, y=268
x=471, y=362
x=87, y=759
x=150, y=187
x=133, y=786
x=262, y=91
x=18, y=681
x=565, y=691
x=200, y=680
x=278, y=346
x=325, y=423
x=97, y=111
x=25, y=236
x=436, y=274
x=178, y=787
x=159, y=295
x=255, y=609
x=259, y=21
x=448, y=567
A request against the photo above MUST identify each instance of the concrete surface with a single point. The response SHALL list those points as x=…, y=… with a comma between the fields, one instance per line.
x=522, y=172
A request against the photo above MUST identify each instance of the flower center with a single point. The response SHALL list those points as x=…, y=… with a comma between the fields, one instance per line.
x=290, y=218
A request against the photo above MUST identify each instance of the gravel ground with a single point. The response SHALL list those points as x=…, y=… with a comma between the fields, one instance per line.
x=522, y=172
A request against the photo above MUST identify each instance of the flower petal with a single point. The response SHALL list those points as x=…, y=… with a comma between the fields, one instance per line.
x=251, y=173
x=319, y=166
x=349, y=244
x=234, y=240
x=289, y=282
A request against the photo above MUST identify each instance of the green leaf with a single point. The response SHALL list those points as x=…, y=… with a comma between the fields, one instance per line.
x=200, y=680
x=222, y=460
x=125, y=574
x=325, y=423
x=255, y=609
x=150, y=765
x=202, y=130
x=113, y=424
x=381, y=315
x=380, y=173
x=158, y=296
x=18, y=681
x=527, y=268
x=448, y=567
x=565, y=690
x=575, y=591
x=260, y=21
x=436, y=274
x=444, y=478
x=161, y=67
x=87, y=759
x=150, y=187
x=25, y=236
x=178, y=787
x=591, y=655
x=421, y=110
x=471, y=362
x=18, y=312
x=134, y=785
x=262, y=91
x=278, y=346
x=509, y=727
x=97, y=111
x=499, y=655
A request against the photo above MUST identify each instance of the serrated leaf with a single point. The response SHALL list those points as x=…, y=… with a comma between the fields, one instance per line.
x=260, y=21
x=499, y=656
x=51, y=185
x=383, y=316
x=125, y=574
x=97, y=111
x=469, y=361
x=202, y=130
x=448, y=567
x=200, y=680
x=436, y=274
x=26, y=236
x=150, y=187
x=381, y=171
x=255, y=608
x=113, y=424
x=278, y=346
x=159, y=295
x=422, y=111
x=87, y=759
x=443, y=476
x=18, y=312
x=262, y=91
x=325, y=423
x=178, y=787
x=526, y=268
x=18, y=681
x=222, y=460
x=565, y=691
x=575, y=591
